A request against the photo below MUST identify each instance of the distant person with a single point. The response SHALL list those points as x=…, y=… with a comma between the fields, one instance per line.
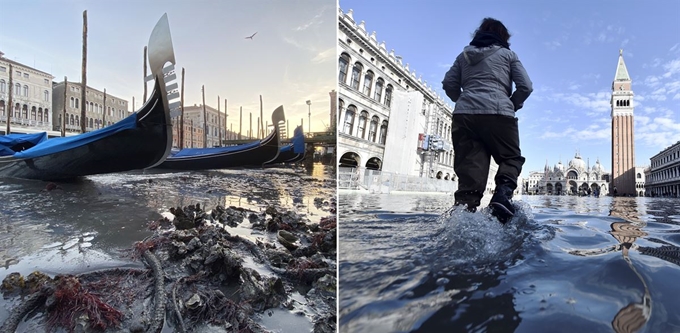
x=615, y=191
x=484, y=123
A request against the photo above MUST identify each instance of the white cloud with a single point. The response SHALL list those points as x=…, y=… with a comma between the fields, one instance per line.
x=324, y=56
x=553, y=45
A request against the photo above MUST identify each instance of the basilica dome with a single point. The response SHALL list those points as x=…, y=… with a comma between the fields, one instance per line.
x=598, y=167
x=559, y=167
x=577, y=163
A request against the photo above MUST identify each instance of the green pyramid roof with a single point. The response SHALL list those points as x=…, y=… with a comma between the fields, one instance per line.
x=621, y=71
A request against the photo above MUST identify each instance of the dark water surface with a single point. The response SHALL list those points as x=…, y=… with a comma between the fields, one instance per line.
x=94, y=222
x=564, y=264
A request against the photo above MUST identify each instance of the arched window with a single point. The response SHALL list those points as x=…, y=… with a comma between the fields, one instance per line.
x=378, y=89
x=24, y=111
x=26, y=91
x=77, y=121
x=383, y=132
x=73, y=102
x=356, y=75
x=91, y=123
x=71, y=122
x=17, y=110
x=77, y=104
x=344, y=66
x=363, y=119
x=349, y=119
x=368, y=82
x=40, y=114
x=388, y=95
x=46, y=95
x=96, y=107
x=17, y=89
x=373, y=128
x=34, y=113
x=3, y=86
x=2, y=108
x=341, y=105
x=91, y=106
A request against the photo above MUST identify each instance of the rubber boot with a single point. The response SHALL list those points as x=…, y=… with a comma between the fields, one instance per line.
x=471, y=200
x=501, y=206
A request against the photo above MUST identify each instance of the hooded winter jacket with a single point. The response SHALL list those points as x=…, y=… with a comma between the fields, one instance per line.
x=485, y=76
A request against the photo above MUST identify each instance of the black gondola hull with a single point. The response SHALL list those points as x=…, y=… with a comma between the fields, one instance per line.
x=137, y=148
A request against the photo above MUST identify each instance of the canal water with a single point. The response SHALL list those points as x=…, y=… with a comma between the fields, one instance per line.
x=407, y=263
x=93, y=223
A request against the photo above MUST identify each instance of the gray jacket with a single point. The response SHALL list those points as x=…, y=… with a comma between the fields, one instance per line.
x=485, y=76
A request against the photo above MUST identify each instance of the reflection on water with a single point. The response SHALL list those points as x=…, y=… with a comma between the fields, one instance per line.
x=91, y=223
x=565, y=264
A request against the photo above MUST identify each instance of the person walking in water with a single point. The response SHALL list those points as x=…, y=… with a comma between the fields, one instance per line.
x=484, y=123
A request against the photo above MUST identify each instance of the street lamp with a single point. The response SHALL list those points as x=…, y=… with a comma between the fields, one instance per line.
x=309, y=105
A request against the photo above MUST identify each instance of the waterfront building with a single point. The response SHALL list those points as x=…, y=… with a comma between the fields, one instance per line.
x=576, y=178
x=663, y=174
x=623, y=144
x=31, y=91
x=101, y=109
x=383, y=107
x=214, y=127
x=640, y=180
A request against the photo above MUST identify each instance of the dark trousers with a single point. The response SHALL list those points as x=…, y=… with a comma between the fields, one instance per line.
x=477, y=138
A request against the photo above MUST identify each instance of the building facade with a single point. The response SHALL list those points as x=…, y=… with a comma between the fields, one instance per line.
x=373, y=84
x=31, y=92
x=663, y=174
x=576, y=178
x=214, y=126
x=101, y=109
x=623, y=145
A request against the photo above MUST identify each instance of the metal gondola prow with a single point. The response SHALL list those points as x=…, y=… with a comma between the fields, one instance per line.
x=279, y=123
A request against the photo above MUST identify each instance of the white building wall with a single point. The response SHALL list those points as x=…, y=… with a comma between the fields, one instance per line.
x=401, y=147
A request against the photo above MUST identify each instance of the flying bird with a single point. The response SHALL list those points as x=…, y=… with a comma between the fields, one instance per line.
x=251, y=36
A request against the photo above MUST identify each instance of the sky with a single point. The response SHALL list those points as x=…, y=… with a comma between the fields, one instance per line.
x=570, y=51
x=290, y=60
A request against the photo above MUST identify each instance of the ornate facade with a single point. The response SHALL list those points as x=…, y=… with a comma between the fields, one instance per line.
x=663, y=175
x=576, y=178
x=372, y=83
x=101, y=109
x=31, y=91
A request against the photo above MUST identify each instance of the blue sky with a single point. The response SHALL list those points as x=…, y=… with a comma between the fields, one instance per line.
x=570, y=50
x=291, y=59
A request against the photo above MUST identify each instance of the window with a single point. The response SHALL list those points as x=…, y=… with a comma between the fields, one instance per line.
x=363, y=119
x=3, y=86
x=356, y=75
x=77, y=104
x=368, y=82
x=46, y=95
x=47, y=81
x=3, y=69
x=343, y=66
x=26, y=75
x=349, y=119
x=17, y=89
x=73, y=102
x=378, y=89
x=383, y=132
x=373, y=129
x=388, y=95
x=26, y=91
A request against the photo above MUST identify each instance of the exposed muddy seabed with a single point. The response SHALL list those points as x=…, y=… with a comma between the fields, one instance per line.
x=260, y=257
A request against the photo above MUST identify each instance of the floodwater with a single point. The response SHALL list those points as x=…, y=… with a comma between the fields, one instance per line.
x=92, y=223
x=565, y=264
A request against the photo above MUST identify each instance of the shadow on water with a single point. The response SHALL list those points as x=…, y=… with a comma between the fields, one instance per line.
x=564, y=264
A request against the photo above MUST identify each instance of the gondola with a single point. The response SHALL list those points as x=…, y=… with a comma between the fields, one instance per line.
x=292, y=152
x=254, y=154
x=142, y=140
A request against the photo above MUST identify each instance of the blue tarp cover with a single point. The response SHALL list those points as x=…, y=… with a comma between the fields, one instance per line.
x=9, y=141
x=56, y=145
x=298, y=141
x=186, y=152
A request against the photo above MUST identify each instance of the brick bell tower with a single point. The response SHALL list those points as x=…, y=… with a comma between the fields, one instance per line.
x=623, y=145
